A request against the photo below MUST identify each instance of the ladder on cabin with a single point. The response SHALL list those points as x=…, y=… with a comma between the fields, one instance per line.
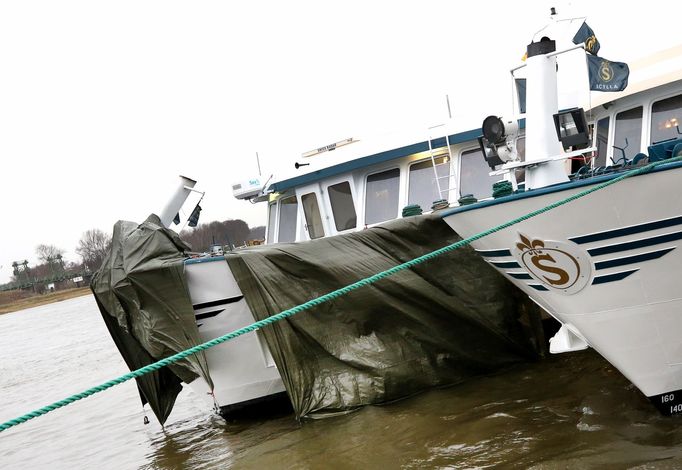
x=447, y=183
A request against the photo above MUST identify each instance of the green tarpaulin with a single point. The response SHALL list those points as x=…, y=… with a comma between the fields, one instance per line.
x=433, y=325
x=437, y=324
x=142, y=295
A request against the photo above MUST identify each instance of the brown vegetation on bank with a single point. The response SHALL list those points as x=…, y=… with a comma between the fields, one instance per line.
x=11, y=301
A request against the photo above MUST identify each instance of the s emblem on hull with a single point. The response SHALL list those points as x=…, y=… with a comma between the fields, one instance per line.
x=561, y=267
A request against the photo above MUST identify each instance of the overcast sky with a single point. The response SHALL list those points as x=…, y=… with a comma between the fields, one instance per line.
x=103, y=104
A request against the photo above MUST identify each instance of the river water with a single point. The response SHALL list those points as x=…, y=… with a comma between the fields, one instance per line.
x=569, y=411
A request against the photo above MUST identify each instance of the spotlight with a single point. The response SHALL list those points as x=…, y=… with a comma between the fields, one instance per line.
x=571, y=128
x=498, y=140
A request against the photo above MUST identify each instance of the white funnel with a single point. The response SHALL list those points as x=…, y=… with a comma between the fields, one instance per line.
x=541, y=105
x=176, y=201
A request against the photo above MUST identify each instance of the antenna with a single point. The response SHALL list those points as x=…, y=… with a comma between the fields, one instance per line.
x=447, y=99
x=258, y=161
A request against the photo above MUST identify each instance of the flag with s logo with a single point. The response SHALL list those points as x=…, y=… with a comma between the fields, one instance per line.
x=606, y=75
x=586, y=35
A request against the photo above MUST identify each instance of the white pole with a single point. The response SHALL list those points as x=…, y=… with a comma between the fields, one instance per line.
x=541, y=105
x=433, y=161
x=176, y=201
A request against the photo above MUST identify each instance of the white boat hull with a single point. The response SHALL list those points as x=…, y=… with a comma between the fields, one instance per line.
x=242, y=369
x=607, y=266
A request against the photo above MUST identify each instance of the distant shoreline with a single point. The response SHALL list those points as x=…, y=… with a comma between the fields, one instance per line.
x=44, y=299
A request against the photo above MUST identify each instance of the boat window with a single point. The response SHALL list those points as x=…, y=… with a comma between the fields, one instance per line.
x=628, y=126
x=666, y=119
x=312, y=215
x=474, y=178
x=272, y=212
x=381, y=202
x=422, y=182
x=602, y=142
x=341, y=200
x=288, y=207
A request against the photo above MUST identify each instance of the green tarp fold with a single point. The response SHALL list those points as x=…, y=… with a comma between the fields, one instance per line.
x=432, y=325
x=143, y=298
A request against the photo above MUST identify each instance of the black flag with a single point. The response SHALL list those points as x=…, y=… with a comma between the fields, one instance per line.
x=194, y=218
x=606, y=75
x=586, y=35
x=176, y=219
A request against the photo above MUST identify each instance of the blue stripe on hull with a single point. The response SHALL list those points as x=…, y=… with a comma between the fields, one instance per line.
x=493, y=253
x=612, y=263
x=644, y=242
x=621, y=232
x=538, y=287
x=505, y=264
x=525, y=276
x=612, y=277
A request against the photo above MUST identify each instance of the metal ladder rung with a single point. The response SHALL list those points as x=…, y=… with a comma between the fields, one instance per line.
x=451, y=173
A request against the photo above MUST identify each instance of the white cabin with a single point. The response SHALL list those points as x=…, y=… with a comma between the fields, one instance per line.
x=360, y=189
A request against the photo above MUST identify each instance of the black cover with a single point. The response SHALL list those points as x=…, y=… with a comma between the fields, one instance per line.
x=433, y=325
x=142, y=295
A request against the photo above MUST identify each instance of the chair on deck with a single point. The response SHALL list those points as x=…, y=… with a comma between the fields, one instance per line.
x=665, y=150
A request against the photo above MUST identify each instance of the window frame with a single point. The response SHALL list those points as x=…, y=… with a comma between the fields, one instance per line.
x=279, y=217
x=318, y=203
x=461, y=153
x=444, y=154
x=364, y=206
x=608, y=155
x=272, y=225
x=328, y=200
x=650, y=109
x=642, y=129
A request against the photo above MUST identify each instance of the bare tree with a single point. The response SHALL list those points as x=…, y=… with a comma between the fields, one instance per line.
x=49, y=253
x=229, y=232
x=93, y=247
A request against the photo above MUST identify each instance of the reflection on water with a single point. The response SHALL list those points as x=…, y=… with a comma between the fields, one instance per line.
x=570, y=411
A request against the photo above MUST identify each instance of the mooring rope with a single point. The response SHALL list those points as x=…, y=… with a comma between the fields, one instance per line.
x=322, y=299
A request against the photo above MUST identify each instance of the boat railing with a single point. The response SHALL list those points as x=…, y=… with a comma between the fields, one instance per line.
x=510, y=166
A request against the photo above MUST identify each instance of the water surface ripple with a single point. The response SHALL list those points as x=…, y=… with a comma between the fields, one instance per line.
x=570, y=411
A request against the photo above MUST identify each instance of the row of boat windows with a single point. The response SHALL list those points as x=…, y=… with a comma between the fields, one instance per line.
x=382, y=189
x=382, y=196
x=666, y=119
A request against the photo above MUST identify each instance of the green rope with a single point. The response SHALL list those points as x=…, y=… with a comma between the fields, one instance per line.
x=412, y=209
x=502, y=188
x=322, y=299
x=440, y=204
x=467, y=199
